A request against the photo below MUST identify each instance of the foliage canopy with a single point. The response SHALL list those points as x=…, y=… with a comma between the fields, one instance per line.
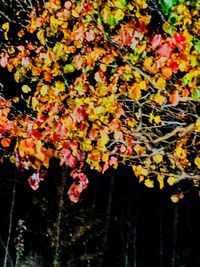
x=105, y=83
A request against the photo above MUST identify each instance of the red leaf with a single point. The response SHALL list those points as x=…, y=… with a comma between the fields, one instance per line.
x=68, y=158
x=89, y=7
x=74, y=192
x=126, y=38
x=34, y=180
x=179, y=40
x=173, y=66
x=80, y=114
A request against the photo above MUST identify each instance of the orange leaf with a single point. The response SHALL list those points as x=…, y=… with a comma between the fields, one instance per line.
x=167, y=72
x=174, y=98
x=185, y=92
x=5, y=142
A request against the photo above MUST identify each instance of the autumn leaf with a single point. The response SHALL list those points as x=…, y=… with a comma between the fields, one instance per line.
x=158, y=158
x=120, y=3
x=5, y=26
x=171, y=180
x=159, y=99
x=149, y=183
x=174, y=98
x=119, y=15
x=161, y=83
x=5, y=142
x=26, y=89
x=74, y=192
x=139, y=170
x=197, y=162
x=90, y=36
x=107, y=16
x=135, y=92
x=177, y=197
x=160, y=179
x=34, y=180
x=197, y=126
x=156, y=40
x=165, y=50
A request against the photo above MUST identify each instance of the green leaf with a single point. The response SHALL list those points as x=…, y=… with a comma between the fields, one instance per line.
x=196, y=93
x=120, y=3
x=107, y=16
x=197, y=45
x=166, y=5
x=69, y=68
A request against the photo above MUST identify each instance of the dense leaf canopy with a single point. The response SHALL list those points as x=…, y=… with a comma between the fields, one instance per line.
x=105, y=82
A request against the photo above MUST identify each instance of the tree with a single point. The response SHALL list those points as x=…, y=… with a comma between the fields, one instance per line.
x=102, y=84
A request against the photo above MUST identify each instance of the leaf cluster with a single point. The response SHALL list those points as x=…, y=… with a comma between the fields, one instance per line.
x=104, y=89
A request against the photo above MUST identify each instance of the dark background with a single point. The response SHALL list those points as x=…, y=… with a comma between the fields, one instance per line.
x=118, y=222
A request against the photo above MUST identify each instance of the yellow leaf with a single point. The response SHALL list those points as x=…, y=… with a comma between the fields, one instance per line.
x=149, y=183
x=158, y=158
x=141, y=178
x=44, y=89
x=17, y=76
x=26, y=89
x=151, y=117
x=141, y=48
x=105, y=157
x=139, y=170
x=140, y=150
x=157, y=119
x=135, y=92
x=197, y=129
x=166, y=26
x=171, y=180
x=131, y=122
x=180, y=152
x=174, y=198
x=160, y=179
x=41, y=36
x=148, y=62
x=119, y=15
x=159, y=99
x=143, y=85
x=5, y=26
x=161, y=83
x=15, y=99
x=197, y=162
x=34, y=102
